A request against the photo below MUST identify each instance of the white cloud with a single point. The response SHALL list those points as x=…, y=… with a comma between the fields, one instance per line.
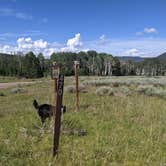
x=25, y=43
x=102, y=37
x=147, y=31
x=150, y=30
x=30, y=45
x=12, y=13
x=40, y=44
x=132, y=52
x=137, y=47
x=73, y=44
x=6, y=49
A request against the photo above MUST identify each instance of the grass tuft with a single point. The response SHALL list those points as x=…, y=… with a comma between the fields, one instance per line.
x=104, y=91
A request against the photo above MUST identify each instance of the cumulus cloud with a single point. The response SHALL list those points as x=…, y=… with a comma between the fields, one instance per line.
x=6, y=49
x=73, y=44
x=147, y=31
x=138, y=47
x=26, y=44
x=40, y=44
x=132, y=52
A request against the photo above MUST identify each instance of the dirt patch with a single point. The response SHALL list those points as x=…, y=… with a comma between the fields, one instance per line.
x=11, y=84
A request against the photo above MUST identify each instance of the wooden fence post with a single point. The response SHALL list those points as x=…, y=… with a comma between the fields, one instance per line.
x=76, y=63
x=58, y=90
x=58, y=114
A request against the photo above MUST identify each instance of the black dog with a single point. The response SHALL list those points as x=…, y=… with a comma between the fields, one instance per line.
x=45, y=110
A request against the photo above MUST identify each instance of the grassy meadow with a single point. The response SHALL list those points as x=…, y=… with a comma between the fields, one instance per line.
x=124, y=119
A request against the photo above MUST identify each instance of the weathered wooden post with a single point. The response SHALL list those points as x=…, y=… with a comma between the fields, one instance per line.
x=54, y=75
x=76, y=63
x=57, y=115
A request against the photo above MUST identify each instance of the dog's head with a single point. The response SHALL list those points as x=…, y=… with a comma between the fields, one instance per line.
x=35, y=104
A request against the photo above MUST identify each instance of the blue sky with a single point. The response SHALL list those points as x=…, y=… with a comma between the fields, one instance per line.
x=119, y=27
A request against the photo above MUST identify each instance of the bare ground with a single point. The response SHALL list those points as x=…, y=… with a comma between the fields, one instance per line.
x=11, y=84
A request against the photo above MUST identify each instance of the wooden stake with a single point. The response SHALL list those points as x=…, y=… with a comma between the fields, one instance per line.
x=54, y=75
x=57, y=124
x=58, y=91
x=76, y=63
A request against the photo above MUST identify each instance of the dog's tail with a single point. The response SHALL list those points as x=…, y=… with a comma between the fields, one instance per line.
x=35, y=104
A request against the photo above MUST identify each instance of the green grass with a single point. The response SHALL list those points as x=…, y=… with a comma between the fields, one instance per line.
x=4, y=79
x=121, y=130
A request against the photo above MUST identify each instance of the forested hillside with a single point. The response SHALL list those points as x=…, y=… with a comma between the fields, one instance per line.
x=148, y=67
x=91, y=63
x=28, y=66
x=32, y=66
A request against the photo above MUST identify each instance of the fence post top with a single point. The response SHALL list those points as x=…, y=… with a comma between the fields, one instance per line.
x=55, y=70
x=55, y=64
x=76, y=62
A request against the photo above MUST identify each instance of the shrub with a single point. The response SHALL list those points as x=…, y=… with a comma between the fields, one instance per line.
x=71, y=89
x=97, y=83
x=18, y=90
x=143, y=88
x=150, y=90
x=115, y=84
x=104, y=91
x=125, y=90
x=2, y=94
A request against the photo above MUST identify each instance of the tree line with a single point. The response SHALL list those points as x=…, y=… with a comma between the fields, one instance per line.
x=91, y=63
x=32, y=66
x=28, y=66
x=147, y=67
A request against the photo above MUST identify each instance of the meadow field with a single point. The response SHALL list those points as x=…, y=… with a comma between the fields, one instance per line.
x=124, y=120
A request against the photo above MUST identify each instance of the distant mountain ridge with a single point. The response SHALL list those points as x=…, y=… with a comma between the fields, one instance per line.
x=162, y=56
x=140, y=59
x=127, y=58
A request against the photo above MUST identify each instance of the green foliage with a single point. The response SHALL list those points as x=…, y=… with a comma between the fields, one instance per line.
x=91, y=63
x=2, y=94
x=28, y=66
x=31, y=66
